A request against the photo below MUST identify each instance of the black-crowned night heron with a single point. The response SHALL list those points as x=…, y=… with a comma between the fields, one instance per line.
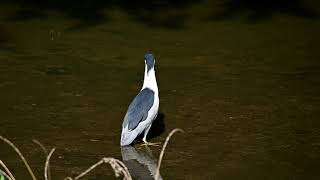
x=144, y=108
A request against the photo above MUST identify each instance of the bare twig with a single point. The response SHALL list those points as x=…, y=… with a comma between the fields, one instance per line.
x=5, y=175
x=21, y=156
x=46, y=171
x=7, y=170
x=163, y=149
x=117, y=165
x=44, y=149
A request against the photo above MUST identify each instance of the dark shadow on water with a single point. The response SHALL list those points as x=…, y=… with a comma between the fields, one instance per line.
x=158, y=126
x=256, y=11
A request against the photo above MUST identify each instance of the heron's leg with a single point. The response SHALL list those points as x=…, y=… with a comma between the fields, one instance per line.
x=145, y=142
x=146, y=133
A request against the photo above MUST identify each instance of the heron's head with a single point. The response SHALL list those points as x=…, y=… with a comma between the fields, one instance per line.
x=149, y=61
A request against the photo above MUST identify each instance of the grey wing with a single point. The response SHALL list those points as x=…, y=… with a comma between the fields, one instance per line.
x=139, y=108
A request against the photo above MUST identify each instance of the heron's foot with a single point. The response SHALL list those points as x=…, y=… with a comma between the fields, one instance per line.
x=146, y=143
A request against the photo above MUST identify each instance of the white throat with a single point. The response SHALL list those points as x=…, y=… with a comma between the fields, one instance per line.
x=150, y=80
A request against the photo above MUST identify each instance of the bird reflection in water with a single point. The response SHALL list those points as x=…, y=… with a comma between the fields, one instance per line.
x=140, y=162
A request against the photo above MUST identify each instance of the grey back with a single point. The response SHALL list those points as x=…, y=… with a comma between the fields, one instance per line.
x=138, y=109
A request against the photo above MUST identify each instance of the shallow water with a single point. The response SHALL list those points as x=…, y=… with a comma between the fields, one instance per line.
x=246, y=94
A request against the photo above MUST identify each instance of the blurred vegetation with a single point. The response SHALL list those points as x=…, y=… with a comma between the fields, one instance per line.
x=162, y=13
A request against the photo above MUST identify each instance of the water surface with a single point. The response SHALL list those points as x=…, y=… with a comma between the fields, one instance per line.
x=245, y=93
